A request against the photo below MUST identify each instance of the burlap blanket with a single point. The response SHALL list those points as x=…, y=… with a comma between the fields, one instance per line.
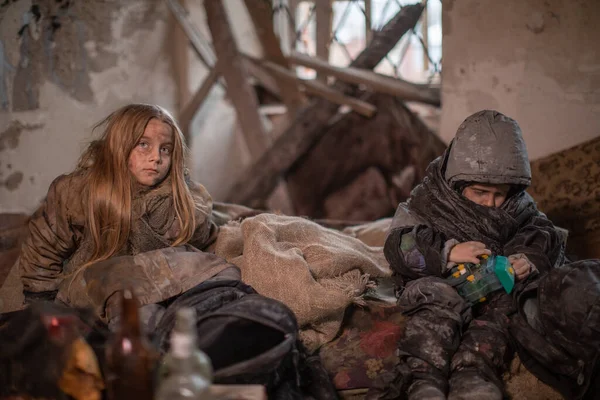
x=315, y=271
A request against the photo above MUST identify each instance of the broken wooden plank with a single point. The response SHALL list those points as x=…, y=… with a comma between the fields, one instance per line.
x=368, y=21
x=261, y=14
x=190, y=109
x=242, y=95
x=181, y=63
x=322, y=90
x=292, y=5
x=390, y=141
x=258, y=182
x=263, y=77
x=384, y=84
x=324, y=15
x=199, y=43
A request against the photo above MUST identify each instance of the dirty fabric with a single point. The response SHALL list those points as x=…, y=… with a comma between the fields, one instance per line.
x=58, y=243
x=367, y=346
x=563, y=347
x=315, y=271
x=154, y=276
x=441, y=345
x=444, y=338
x=488, y=148
x=436, y=213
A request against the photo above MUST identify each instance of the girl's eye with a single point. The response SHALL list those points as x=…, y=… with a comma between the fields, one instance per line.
x=143, y=145
x=166, y=150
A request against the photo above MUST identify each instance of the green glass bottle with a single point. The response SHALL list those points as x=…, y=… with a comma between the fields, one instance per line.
x=185, y=371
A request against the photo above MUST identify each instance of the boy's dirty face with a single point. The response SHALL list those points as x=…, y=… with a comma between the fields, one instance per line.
x=150, y=159
x=486, y=195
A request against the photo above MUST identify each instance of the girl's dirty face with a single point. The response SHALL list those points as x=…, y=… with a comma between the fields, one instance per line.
x=150, y=159
x=486, y=195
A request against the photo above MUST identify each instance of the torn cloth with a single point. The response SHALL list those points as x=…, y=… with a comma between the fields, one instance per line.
x=437, y=213
x=315, y=271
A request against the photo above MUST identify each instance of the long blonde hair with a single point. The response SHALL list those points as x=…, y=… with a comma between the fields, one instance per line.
x=110, y=183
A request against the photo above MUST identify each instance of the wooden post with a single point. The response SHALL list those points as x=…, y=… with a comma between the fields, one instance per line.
x=258, y=182
x=181, y=63
x=292, y=6
x=261, y=14
x=190, y=109
x=240, y=91
x=425, y=33
x=368, y=22
x=324, y=13
x=202, y=49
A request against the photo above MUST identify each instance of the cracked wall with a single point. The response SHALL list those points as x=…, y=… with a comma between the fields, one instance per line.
x=537, y=61
x=66, y=64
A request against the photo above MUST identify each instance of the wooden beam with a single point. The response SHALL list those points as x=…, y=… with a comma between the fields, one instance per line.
x=425, y=33
x=199, y=43
x=190, y=109
x=181, y=63
x=322, y=90
x=368, y=22
x=377, y=82
x=258, y=182
x=292, y=6
x=324, y=14
x=263, y=77
x=262, y=19
x=241, y=93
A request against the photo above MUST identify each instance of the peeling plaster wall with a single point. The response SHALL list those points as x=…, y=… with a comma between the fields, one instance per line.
x=65, y=65
x=537, y=61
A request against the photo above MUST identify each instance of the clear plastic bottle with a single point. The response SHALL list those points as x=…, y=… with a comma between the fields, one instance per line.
x=185, y=372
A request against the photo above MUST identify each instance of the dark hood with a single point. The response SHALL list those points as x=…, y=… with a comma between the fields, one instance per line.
x=488, y=148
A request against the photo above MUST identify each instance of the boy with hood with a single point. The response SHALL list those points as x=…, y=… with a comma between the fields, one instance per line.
x=471, y=203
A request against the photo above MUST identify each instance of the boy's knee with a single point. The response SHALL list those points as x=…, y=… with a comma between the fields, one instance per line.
x=432, y=291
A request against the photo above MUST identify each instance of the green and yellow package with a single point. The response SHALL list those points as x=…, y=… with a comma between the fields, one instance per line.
x=475, y=282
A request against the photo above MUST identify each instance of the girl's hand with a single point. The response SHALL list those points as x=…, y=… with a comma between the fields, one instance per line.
x=468, y=252
x=521, y=265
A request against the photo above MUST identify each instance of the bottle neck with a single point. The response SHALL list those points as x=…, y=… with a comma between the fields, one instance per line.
x=183, y=346
x=130, y=318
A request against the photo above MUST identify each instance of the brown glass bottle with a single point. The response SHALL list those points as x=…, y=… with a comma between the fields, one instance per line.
x=130, y=358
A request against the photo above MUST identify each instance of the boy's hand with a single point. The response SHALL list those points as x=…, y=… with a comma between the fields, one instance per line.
x=468, y=252
x=521, y=265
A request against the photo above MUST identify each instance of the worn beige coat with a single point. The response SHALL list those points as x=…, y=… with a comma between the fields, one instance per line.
x=58, y=245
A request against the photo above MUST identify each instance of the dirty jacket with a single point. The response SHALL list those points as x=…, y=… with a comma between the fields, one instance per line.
x=58, y=245
x=488, y=148
x=557, y=329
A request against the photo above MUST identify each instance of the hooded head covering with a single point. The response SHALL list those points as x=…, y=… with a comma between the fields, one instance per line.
x=488, y=148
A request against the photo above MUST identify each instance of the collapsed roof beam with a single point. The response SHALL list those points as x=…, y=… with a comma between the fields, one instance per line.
x=261, y=14
x=258, y=182
x=380, y=83
x=232, y=68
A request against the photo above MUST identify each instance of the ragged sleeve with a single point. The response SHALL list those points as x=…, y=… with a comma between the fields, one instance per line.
x=50, y=242
x=413, y=248
x=540, y=241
